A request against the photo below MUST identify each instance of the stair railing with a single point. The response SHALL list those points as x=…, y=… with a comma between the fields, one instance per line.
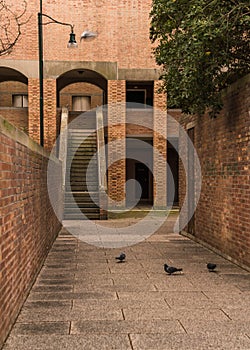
x=101, y=161
x=63, y=144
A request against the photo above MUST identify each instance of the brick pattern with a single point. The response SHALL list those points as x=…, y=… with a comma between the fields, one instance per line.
x=117, y=134
x=17, y=117
x=34, y=109
x=160, y=147
x=139, y=122
x=121, y=24
x=7, y=88
x=50, y=112
x=223, y=213
x=81, y=89
x=28, y=223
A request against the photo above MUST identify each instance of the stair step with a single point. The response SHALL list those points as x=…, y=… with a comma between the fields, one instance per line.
x=73, y=205
x=88, y=210
x=81, y=217
x=82, y=158
x=81, y=168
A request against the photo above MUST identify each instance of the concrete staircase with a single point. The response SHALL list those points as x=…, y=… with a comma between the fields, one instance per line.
x=81, y=191
x=82, y=153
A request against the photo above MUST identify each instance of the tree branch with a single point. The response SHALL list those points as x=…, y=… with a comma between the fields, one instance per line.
x=10, y=26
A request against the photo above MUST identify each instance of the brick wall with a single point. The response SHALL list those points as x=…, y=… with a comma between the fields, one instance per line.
x=81, y=89
x=139, y=122
x=122, y=27
x=50, y=112
x=223, y=144
x=28, y=223
x=16, y=116
x=9, y=88
x=160, y=147
x=117, y=140
x=34, y=109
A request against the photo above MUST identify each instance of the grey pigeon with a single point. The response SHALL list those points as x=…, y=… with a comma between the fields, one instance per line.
x=211, y=267
x=121, y=257
x=171, y=269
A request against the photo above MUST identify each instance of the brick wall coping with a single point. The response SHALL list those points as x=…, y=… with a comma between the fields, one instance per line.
x=12, y=132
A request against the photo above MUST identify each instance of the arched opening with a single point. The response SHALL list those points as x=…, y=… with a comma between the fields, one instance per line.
x=14, y=97
x=81, y=82
x=81, y=90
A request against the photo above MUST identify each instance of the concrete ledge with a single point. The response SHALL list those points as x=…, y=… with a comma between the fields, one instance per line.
x=21, y=137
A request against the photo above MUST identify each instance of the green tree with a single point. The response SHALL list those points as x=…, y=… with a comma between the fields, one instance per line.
x=202, y=46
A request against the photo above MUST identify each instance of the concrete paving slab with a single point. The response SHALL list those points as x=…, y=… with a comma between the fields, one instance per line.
x=216, y=327
x=196, y=299
x=189, y=342
x=41, y=328
x=52, y=288
x=33, y=306
x=174, y=314
x=84, y=299
x=121, y=303
x=229, y=299
x=54, y=282
x=69, y=296
x=116, y=287
x=126, y=327
x=69, y=342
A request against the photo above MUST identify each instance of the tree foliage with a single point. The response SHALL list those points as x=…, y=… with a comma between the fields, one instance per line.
x=203, y=46
x=11, y=23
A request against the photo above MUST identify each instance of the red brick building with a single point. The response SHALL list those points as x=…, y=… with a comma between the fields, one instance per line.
x=116, y=67
x=222, y=216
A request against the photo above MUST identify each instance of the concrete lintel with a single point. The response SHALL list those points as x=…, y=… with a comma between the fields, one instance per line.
x=27, y=67
x=53, y=69
x=138, y=74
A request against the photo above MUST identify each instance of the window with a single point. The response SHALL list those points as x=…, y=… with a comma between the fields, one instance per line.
x=81, y=103
x=20, y=100
x=135, y=96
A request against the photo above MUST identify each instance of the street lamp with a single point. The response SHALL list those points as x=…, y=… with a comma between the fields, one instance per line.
x=86, y=35
x=71, y=44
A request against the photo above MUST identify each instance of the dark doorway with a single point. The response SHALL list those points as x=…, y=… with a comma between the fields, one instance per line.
x=137, y=96
x=142, y=176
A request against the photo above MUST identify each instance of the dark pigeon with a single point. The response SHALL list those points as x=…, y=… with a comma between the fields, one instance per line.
x=121, y=257
x=211, y=267
x=171, y=269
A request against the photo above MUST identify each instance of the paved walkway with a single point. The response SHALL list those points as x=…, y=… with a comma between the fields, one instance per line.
x=84, y=299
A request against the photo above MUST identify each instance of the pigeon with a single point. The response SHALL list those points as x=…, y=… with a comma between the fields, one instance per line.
x=88, y=35
x=211, y=267
x=121, y=257
x=171, y=269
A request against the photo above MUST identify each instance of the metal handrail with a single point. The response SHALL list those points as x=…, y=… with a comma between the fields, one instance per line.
x=101, y=161
x=63, y=143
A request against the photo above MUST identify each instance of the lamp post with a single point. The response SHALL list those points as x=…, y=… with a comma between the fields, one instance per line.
x=71, y=44
x=86, y=35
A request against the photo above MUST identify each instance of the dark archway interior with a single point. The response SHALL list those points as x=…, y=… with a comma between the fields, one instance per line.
x=10, y=74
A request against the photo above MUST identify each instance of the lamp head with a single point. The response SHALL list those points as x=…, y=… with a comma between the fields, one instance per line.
x=72, y=41
x=88, y=35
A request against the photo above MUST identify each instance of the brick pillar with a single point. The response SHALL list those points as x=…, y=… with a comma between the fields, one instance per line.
x=49, y=97
x=160, y=148
x=34, y=114
x=117, y=134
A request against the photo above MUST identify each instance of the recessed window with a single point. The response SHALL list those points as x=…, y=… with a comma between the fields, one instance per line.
x=81, y=103
x=20, y=100
x=135, y=96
